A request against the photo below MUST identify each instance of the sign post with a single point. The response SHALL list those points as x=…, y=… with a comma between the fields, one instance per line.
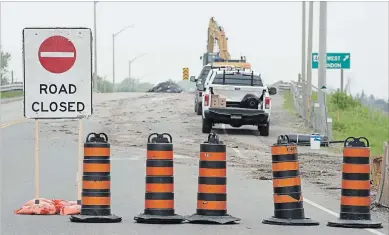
x=334, y=61
x=57, y=79
x=185, y=73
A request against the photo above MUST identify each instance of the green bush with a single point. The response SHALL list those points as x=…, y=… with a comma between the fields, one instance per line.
x=343, y=101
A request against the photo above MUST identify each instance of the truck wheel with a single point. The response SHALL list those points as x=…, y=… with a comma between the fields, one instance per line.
x=199, y=109
x=264, y=130
x=207, y=126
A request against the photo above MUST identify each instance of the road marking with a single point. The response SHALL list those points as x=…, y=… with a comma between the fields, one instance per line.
x=312, y=203
x=8, y=124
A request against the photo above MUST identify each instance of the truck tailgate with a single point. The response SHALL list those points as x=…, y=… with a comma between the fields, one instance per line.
x=236, y=93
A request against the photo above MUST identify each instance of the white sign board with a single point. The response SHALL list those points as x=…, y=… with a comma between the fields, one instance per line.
x=57, y=72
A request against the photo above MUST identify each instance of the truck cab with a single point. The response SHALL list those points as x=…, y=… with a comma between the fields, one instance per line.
x=200, y=80
x=246, y=101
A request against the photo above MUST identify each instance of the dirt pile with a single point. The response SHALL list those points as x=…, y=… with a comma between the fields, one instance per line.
x=167, y=87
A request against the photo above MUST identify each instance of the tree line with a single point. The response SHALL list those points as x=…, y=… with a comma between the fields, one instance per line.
x=4, y=72
x=103, y=85
x=372, y=102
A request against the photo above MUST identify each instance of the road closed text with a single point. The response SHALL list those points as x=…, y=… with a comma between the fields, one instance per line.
x=57, y=90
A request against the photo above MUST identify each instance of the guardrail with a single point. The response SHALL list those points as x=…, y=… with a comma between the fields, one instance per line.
x=12, y=87
x=314, y=120
x=281, y=86
x=18, y=87
x=284, y=86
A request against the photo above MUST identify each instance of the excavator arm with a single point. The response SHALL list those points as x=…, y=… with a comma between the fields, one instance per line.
x=216, y=32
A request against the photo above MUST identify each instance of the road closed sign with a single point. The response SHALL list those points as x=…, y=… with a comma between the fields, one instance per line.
x=57, y=73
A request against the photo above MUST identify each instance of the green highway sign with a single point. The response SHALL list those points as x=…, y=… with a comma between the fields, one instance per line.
x=334, y=60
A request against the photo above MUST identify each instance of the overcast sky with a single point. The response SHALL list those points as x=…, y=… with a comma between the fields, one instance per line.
x=174, y=36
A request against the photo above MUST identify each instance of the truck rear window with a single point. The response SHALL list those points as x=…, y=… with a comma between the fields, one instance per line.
x=238, y=80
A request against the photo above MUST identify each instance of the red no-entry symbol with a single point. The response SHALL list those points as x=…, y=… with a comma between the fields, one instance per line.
x=57, y=54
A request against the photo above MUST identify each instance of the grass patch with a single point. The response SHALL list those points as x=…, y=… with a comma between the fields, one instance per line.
x=350, y=118
x=288, y=101
x=11, y=94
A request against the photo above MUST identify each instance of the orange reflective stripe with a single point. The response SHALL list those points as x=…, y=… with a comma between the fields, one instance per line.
x=96, y=152
x=286, y=182
x=160, y=188
x=159, y=204
x=356, y=168
x=356, y=152
x=96, y=167
x=285, y=199
x=285, y=166
x=206, y=188
x=283, y=150
x=208, y=156
x=207, y=172
x=90, y=201
x=356, y=184
x=159, y=155
x=355, y=201
x=211, y=205
x=96, y=184
x=160, y=171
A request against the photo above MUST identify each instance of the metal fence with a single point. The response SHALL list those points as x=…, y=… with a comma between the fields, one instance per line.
x=313, y=118
x=281, y=86
x=382, y=198
x=12, y=87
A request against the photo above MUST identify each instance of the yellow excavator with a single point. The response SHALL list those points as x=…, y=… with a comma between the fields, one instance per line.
x=216, y=34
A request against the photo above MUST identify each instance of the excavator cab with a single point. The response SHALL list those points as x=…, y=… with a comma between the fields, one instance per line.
x=209, y=58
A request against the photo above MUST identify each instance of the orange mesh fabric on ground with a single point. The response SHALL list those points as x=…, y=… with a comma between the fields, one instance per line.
x=70, y=208
x=49, y=207
x=45, y=207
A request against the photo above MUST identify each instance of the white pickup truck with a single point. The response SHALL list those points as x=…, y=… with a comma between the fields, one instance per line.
x=248, y=101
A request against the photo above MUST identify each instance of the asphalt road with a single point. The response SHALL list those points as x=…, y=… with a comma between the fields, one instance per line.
x=248, y=198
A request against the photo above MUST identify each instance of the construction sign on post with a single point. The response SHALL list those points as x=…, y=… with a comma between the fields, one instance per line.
x=185, y=73
x=57, y=72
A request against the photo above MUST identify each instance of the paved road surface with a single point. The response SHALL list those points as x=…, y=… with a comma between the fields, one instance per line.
x=249, y=199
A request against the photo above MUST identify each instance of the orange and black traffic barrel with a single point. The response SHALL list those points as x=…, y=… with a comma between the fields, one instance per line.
x=159, y=196
x=212, y=184
x=96, y=182
x=355, y=194
x=287, y=195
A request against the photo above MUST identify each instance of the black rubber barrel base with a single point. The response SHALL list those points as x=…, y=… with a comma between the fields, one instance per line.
x=95, y=219
x=297, y=222
x=355, y=224
x=207, y=219
x=159, y=219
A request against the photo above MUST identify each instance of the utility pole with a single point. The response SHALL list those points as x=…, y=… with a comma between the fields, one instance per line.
x=308, y=90
x=113, y=54
x=129, y=69
x=129, y=76
x=303, y=60
x=12, y=76
x=95, y=46
x=113, y=62
x=322, y=64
